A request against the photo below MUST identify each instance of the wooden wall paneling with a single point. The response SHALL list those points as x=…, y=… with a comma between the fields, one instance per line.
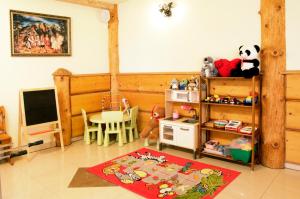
x=62, y=82
x=293, y=86
x=77, y=126
x=233, y=113
x=273, y=63
x=228, y=87
x=149, y=82
x=145, y=101
x=90, y=102
x=293, y=146
x=90, y=83
x=293, y=115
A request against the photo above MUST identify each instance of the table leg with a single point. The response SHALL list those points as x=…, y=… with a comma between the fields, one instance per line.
x=124, y=133
x=99, y=135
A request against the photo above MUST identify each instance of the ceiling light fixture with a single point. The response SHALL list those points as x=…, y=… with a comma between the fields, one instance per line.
x=166, y=9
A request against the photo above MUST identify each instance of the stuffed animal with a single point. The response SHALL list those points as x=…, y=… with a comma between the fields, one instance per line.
x=183, y=84
x=174, y=84
x=225, y=67
x=209, y=70
x=151, y=131
x=250, y=62
x=249, y=66
x=193, y=84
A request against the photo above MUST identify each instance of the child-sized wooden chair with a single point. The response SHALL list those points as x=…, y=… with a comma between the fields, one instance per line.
x=114, y=124
x=131, y=125
x=89, y=131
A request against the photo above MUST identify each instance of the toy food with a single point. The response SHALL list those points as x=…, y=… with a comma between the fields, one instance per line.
x=151, y=130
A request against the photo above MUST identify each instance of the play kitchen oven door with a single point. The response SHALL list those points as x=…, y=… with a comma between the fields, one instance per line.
x=167, y=134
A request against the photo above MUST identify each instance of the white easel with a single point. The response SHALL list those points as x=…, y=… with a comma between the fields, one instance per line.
x=26, y=130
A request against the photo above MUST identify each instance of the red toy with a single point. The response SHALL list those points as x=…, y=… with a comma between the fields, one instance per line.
x=225, y=66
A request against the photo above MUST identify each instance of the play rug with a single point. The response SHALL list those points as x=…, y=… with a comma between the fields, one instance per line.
x=154, y=174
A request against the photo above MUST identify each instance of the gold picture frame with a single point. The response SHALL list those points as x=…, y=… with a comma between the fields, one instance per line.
x=36, y=34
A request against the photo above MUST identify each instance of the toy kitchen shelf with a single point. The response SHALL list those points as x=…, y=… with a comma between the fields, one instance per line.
x=184, y=131
x=255, y=108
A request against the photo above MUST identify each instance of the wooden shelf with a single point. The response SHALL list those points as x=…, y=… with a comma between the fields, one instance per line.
x=225, y=131
x=216, y=155
x=232, y=105
x=228, y=158
x=185, y=102
x=230, y=78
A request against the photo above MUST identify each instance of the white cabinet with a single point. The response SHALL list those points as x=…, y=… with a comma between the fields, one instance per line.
x=179, y=134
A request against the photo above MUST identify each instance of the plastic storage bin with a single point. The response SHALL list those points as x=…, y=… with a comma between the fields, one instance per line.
x=242, y=155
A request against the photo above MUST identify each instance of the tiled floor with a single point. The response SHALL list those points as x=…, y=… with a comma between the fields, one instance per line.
x=47, y=175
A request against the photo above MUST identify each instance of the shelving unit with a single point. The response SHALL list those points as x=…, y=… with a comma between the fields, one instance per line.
x=255, y=108
x=177, y=132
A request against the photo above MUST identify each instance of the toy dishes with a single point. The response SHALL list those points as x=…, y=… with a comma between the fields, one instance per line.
x=220, y=124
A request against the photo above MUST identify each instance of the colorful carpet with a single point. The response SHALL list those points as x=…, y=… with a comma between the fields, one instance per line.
x=155, y=174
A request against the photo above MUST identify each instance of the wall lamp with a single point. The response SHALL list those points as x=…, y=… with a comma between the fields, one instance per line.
x=166, y=9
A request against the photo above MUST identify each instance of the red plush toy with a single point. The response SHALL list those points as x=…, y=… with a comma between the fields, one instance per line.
x=225, y=66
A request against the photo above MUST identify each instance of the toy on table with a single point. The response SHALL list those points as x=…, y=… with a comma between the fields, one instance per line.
x=249, y=66
x=151, y=130
x=174, y=84
x=126, y=106
x=209, y=70
x=183, y=84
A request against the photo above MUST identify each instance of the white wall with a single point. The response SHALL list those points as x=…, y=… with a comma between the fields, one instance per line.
x=150, y=42
x=292, y=34
x=89, y=52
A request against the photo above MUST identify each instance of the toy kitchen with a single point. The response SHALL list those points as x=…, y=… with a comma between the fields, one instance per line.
x=176, y=129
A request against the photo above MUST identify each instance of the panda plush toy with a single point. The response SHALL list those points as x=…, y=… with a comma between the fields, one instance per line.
x=249, y=66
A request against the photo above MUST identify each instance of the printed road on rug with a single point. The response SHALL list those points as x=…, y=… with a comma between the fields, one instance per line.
x=154, y=174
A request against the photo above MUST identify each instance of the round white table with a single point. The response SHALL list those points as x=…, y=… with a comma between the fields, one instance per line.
x=97, y=119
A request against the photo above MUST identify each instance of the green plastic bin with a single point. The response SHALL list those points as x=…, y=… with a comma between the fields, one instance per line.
x=241, y=155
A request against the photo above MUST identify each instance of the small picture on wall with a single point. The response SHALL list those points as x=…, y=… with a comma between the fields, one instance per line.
x=34, y=34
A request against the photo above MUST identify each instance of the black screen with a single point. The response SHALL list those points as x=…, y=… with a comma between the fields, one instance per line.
x=40, y=106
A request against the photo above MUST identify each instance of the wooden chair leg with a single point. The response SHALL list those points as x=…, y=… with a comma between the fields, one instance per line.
x=121, y=138
x=86, y=137
x=124, y=137
x=130, y=135
x=106, y=139
x=99, y=135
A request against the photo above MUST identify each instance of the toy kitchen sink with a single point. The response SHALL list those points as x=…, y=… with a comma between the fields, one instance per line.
x=181, y=132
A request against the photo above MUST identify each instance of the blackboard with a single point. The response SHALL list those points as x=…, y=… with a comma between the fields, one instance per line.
x=39, y=106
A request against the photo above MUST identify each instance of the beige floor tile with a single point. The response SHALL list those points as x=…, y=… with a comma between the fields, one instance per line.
x=286, y=185
x=47, y=174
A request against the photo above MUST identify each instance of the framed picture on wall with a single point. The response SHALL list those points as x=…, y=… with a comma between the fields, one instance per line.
x=35, y=34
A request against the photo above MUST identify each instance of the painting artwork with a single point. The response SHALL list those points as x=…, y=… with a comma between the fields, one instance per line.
x=34, y=34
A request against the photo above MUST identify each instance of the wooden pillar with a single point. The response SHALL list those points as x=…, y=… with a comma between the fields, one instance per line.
x=273, y=63
x=114, y=50
x=62, y=82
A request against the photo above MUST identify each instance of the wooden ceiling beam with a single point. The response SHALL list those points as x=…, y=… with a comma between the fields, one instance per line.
x=92, y=3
